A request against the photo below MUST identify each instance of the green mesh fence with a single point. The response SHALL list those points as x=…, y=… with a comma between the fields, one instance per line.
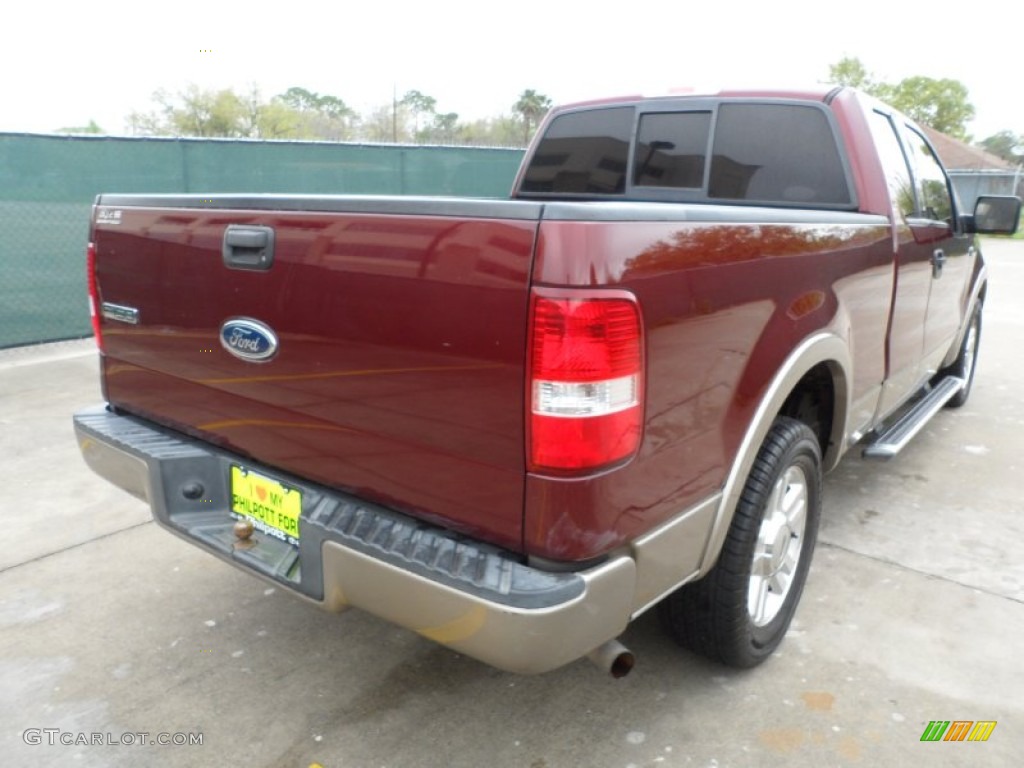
x=48, y=183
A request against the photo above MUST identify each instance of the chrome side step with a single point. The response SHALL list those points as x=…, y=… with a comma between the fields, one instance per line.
x=894, y=439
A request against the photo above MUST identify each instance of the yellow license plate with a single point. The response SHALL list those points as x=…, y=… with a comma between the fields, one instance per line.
x=272, y=507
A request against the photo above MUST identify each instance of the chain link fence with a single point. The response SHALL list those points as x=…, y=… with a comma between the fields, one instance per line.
x=48, y=183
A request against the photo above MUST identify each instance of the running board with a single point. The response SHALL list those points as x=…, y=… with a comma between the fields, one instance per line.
x=894, y=439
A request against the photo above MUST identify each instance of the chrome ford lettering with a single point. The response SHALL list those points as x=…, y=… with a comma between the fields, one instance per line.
x=248, y=339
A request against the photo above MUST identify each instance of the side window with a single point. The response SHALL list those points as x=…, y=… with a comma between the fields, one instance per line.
x=894, y=164
x=583, y=153
x=933, y=199
x=670, y=149
x=776, y=153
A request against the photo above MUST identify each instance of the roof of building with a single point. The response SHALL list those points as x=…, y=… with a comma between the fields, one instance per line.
x=958, y=156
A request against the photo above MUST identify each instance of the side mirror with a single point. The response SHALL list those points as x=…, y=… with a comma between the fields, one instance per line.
x=995, y=215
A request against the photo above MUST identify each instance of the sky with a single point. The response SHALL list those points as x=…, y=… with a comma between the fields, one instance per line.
x=65, y=63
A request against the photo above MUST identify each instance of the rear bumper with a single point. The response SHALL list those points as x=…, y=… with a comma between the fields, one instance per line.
x=476, y=599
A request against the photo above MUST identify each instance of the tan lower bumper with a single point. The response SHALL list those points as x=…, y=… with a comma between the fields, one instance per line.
x=139, y=457
x=526, y=641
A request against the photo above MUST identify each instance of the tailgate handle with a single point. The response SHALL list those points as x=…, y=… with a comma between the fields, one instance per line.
x=248, y=247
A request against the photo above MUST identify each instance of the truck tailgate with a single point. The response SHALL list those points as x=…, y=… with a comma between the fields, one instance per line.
x=401, y=335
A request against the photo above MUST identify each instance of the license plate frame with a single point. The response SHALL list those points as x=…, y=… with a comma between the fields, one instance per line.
x=273, y=507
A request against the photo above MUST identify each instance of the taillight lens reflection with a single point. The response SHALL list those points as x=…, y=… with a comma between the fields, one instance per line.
x=94, y=296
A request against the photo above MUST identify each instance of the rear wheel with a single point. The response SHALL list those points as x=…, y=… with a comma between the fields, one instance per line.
x=740, y=611
x=966, y=362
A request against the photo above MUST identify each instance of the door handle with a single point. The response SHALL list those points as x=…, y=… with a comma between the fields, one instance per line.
x=248, y=247
x=938, y=260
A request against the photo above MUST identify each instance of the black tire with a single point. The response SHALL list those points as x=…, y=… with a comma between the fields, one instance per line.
x=732, y=615
x=966, y=362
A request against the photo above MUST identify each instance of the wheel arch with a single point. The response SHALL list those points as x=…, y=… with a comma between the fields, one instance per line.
x=818, y=368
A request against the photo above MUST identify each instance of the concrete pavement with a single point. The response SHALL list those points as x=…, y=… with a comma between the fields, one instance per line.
x=914, y=612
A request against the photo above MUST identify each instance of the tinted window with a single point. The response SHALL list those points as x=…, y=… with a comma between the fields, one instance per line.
x=932, y=192
x=670, y=149
x=583, y=153
x=776, y=153
x=894, y=163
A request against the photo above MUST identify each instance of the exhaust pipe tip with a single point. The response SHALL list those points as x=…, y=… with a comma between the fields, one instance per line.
x=614, y=658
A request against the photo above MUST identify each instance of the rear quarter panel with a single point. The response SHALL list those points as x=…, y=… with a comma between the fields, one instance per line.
x=724, y=302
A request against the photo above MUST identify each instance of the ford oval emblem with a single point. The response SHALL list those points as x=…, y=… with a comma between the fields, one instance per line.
x=248, y=339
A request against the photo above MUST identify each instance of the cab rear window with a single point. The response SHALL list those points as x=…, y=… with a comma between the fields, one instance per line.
x=583, y=153
x=671, y=149
x=767, y=153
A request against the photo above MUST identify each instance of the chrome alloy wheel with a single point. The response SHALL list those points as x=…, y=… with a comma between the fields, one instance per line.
x=970, y=351
x=779, y=543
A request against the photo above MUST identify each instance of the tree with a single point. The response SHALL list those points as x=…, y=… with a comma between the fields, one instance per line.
x=501, y=131
x=321, y=116
x=941, y=104
x=334, y=108
x=193, y=112
x=276, y=120
x=1005, y=144
x=531, y=107
x=224, y=113
x=92, y=127
x=851, y=72
x=251, y=104
x=300, y=113
x=383, y=125
x=207, y=113
x=300, y=99
x=445, y=127
x=419, y=105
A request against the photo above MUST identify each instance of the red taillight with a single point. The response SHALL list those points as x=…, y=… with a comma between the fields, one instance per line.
x=94, y=294
x=586, y=380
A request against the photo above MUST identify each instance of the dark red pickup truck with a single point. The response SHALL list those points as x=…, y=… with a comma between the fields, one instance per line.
x=512, y=426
